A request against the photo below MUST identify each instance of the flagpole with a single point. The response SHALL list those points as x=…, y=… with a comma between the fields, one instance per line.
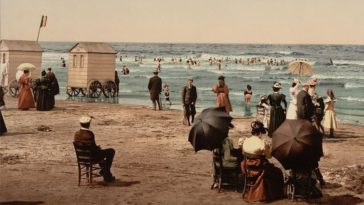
x=38, y=33
x=42, y=24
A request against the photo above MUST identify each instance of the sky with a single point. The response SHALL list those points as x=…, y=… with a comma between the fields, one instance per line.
x=186, y=21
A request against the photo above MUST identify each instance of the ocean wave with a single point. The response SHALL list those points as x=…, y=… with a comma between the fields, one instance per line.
x=279, y=53
x=321, y=76
x=237, y=93
x=125, y=91
x=352, y=99
x=322, y=63
x=353, y=85
x=348, y=62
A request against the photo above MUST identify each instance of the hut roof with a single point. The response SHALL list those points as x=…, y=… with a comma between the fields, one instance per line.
x=20, y=45
x=94, y=48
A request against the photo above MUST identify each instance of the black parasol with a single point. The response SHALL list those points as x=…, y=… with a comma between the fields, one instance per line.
x=210, y=128
x=297, y=144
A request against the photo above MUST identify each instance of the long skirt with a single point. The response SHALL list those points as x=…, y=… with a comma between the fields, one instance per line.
x=292, y=112
x=26, y=99
x=277, y=117
x=268, y=183
x=2, y=124
x=330, y=120
x=44, y=100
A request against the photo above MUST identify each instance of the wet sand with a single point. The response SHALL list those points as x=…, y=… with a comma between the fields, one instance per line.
x=154, y=162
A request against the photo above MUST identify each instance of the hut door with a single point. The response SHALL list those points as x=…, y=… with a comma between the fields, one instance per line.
x=3, y=58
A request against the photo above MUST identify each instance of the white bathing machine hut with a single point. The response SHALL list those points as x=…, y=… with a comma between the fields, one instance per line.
x=12, y=54
x=91, y=70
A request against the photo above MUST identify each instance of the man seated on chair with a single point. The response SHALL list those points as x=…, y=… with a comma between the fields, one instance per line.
x=87, y=137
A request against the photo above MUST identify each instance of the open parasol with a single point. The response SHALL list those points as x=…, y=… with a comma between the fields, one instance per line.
x=210, y=128
x=26, y=66
x=300, y=68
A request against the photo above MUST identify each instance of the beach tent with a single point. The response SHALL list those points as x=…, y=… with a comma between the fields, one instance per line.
x=90, y=66
x=15, y=52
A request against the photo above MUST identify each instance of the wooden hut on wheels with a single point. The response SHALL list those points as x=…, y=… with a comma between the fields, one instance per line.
x=91, y=70
x=15, y=52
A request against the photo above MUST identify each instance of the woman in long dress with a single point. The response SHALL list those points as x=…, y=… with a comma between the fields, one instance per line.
x=269, y=183
x=26, y=99
x=2, y=124
x=277, y=112
x=222, y=91
x=44, y=95
x=292, y=108
x=330, y=115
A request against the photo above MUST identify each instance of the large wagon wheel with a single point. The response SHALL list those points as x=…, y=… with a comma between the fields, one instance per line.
x=94, y=89
x=109, y=89
x=72, y=92
x=14, y=88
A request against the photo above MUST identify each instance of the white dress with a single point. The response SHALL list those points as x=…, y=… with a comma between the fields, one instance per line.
x=292, y=108
x=263, y=114
x=330, y=115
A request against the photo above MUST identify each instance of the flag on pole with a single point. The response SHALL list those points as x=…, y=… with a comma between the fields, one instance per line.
x=43, y=22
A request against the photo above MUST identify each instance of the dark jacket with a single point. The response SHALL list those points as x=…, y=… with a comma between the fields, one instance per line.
x=87, y=137
x=117, y=80
x=305, y=107
x=53, y=83
x=155, y=87
x=189, y=95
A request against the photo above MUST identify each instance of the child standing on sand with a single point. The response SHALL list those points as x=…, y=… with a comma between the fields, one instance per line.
x=166, y=94
x=330, y=115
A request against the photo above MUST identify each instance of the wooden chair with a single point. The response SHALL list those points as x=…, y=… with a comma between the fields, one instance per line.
x=86, y=165
x=223, y=175
x=251, y=173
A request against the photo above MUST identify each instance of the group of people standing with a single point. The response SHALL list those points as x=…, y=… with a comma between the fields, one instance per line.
x=189, y=96
x=305, y=104
x=37, y=94
x=44, y=90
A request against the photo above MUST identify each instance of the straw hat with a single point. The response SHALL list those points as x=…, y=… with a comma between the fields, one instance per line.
x=85, y=119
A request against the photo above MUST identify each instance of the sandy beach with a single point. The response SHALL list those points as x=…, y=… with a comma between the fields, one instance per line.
x=154, y=162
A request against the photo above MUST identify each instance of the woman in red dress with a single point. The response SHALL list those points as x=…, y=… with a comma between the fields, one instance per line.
x=222, y=97
x=26, y=99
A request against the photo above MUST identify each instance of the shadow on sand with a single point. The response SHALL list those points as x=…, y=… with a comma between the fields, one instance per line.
x=119, y=183
x=337, y=200
x=17, y=133
x=21, y=202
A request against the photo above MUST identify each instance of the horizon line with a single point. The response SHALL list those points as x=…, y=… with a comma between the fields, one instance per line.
x=227, y=43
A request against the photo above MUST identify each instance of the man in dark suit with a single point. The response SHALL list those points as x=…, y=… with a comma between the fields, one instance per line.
x=189, y=97
x=117, y=82
x=155, y=87
x=53, y=84
x=86, y=136
x=305, y=107
x=306, y=110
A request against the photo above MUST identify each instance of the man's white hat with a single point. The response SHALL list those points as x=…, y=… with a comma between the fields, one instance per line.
x=85, y=119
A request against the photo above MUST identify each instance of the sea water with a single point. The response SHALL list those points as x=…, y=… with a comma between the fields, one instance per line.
x=345, y=77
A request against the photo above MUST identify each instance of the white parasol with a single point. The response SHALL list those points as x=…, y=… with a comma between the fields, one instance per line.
x=26, y=66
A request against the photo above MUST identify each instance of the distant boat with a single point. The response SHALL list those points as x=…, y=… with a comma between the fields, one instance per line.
x=331, y=62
